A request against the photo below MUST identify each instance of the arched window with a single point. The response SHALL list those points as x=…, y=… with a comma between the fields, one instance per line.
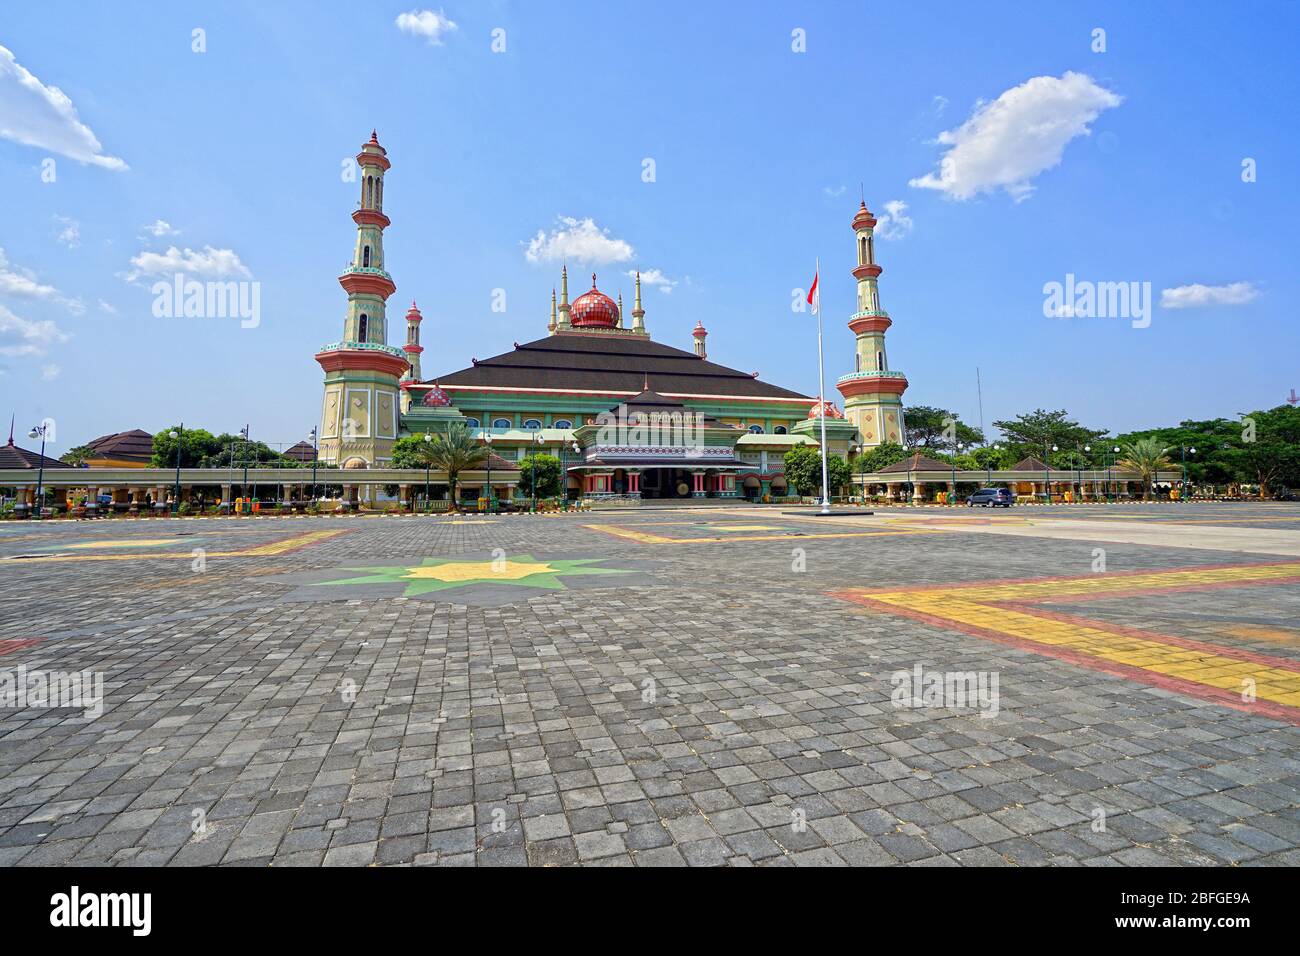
x=362, y=327
x=471, y=423
x=880, y=361
x=501, y=423
x=532, y=424
x=370, y=191
x=379, y=194
x=871, y=249
x=778, y=430
x=365, y=256
x=756, y=429
x=862, y=251
x=561, y=423
x=857, y=363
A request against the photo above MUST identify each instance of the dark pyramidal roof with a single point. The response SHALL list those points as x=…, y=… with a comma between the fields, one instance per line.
x=133, y=445
x=11, y=456
x=613, y=363
x=916, y=462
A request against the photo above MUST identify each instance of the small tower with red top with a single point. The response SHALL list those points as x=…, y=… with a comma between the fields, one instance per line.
x=700, y=333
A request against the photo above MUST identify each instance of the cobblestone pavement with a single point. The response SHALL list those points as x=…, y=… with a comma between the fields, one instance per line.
x=733, y=686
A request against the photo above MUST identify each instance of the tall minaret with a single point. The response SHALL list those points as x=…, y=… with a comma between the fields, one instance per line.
x=700, y=333
x=551, y=326
x=873, y=395
x=620, y=310
x=563, y=322
x=638, y=313
x=359, y=419
x=412, y=348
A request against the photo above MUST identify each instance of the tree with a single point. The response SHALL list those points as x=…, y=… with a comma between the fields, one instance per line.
x=803, y=470
x=196, y=445
x=546, y=468
x=1216, y=443
x=993, y=459
x=1146, y=456
x=936, y=429
x=882, y=456
x=76, y=457
x=1036, y=432
x=412, y=451
x=1269, y=452
x=454, y=451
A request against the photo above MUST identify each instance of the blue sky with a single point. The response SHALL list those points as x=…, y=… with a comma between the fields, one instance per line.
x=758, y=154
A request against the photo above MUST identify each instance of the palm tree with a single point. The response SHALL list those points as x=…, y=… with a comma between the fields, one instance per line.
x=455, y=451
x=1146, y=456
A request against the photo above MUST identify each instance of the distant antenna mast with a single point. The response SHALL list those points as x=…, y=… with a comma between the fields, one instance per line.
x=979, y=392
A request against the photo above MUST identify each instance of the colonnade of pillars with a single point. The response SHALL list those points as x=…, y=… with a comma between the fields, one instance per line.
x=1086, y=491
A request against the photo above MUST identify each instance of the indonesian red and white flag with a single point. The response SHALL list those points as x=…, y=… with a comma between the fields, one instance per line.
x=813, y=299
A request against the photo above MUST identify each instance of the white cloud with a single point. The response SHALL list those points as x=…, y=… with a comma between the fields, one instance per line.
x=70, y=233
x=427, y=24
x=580, y=240
x=1006, y=143
x=17, y=281
x=1199, y=296
x=34, y=114
x=50, y=372
x=835, y=192
x=894, y=222
x=211, y=262
x=159, y=228
x=939, y=104
x=107, y=307
x=656, y=278
x=19, y=336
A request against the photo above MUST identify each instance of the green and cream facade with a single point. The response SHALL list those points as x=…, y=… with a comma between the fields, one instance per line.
x=550, y=394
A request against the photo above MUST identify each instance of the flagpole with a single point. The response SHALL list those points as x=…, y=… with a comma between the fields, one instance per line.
x=821, y=390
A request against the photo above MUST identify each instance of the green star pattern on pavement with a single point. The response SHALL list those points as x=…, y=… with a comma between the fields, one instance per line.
x=439, y=574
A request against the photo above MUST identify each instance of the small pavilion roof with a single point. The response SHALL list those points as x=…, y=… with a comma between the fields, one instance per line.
x=916, y=462
x=1030, y=464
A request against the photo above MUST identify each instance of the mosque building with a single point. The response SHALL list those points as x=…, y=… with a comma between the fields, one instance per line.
x=590, y=389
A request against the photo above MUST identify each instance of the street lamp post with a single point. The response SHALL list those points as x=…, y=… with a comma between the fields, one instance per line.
x=538, y=441
x=1183, y=452
x=40, y=431
x=953, y=494
x=564, y=482
x=243, y=433
x=1078, y=468
x=1110, y=479
x=1047, y=475
x=315, y=458
x=427, y=439
x=488, y=438
x=176, y=493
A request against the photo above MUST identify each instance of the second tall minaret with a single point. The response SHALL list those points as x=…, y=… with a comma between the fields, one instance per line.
x=873, y=395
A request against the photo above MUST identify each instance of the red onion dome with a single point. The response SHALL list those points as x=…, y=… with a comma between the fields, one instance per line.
x=816, y=411
x=594, y=309
x=436, y=397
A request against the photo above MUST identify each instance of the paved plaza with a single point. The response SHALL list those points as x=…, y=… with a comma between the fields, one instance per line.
x=1096, y=685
